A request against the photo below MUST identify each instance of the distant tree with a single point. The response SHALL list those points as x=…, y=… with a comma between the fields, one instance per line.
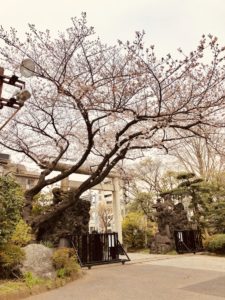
x=135, y=230
x=169, y=180
x=150, y=176
x=94, y=106
x=105, y=216
x=145, y=176
x=147, y=180
x=143, y=203
x=200, y=157
x=215, y=217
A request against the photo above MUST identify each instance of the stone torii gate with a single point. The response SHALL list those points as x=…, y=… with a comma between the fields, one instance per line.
x=114, y=187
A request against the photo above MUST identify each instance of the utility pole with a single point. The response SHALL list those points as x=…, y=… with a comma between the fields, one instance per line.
x=17, y=100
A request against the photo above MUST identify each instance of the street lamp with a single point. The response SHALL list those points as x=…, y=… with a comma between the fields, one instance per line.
x=17, y=100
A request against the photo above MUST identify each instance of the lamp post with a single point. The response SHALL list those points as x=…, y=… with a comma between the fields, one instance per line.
x=16, y=101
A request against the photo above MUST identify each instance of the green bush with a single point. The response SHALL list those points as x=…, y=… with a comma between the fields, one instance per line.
x=41, y=203
x=48, y=244
x=11, y=203
x=135, y=231
x=65, y=262
x=61, y=273
x=22, y=234
x=11, y=257
x=31, y=280
x=216, y=244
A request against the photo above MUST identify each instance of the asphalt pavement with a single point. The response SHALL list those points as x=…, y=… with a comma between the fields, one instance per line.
x=148, y=277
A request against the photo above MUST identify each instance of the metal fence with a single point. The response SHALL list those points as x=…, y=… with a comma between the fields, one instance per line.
x=98, y=248
x=188, y=241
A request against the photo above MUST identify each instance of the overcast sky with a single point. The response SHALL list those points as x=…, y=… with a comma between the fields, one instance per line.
x=169, y=24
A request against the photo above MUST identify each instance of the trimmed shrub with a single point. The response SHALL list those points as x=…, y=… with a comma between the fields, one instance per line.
x=11, y=256
x=22, y=234
x=65, y=262
x=216, y=244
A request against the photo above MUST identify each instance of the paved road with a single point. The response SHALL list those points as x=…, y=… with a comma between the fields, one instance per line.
x=149, y=277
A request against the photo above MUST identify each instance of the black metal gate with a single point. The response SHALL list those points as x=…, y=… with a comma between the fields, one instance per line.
x=98, y=248
x=188, y=241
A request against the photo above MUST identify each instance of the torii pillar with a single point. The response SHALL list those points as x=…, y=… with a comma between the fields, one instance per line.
x=116, y=197
x=65, y=184
x=117, y=208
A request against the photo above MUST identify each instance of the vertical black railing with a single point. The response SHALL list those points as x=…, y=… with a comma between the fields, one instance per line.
x=188, y=241
x=98, y=248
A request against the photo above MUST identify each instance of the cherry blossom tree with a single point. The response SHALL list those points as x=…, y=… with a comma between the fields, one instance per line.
x=94, y=105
